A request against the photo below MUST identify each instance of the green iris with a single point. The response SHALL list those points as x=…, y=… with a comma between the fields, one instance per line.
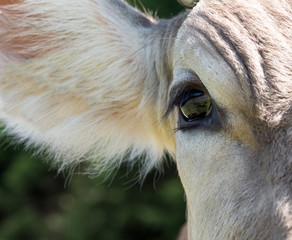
x=195, y=106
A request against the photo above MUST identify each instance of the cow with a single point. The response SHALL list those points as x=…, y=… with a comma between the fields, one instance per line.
x=97, y=80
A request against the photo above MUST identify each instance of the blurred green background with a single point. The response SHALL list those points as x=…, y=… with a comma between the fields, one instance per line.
x=37, y=203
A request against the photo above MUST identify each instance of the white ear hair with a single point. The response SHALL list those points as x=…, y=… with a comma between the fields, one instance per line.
x=86, y=80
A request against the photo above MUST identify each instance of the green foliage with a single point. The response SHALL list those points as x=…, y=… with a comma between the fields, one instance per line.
x=39, y=204
x=35, y=204
x=161, y=8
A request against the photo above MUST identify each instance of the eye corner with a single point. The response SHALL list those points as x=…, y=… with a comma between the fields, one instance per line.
x=169, y=110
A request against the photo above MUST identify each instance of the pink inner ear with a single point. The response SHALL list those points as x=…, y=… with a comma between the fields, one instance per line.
x=27, y=47
x=5, y=2
x=22, y=38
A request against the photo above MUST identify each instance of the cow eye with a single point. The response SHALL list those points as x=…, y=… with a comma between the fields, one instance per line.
x=195, y=105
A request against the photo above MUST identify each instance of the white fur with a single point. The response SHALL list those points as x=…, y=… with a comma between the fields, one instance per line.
x=81, y=95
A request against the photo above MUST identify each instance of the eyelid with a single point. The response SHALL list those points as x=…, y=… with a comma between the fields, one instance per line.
x=181, y=89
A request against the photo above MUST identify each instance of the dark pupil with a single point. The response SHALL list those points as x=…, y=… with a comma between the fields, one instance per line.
x=195, y=106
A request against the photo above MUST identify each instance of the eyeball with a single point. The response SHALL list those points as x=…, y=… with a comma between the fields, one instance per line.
x=188, y=3
x=194, y=106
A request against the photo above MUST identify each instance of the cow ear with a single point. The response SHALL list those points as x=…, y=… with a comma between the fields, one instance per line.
x=86, y=81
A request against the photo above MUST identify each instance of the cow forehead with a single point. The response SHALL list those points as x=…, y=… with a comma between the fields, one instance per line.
x=196, y=56
x=223, y=76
